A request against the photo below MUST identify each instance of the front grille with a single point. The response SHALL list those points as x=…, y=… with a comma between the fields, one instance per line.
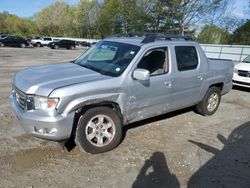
x=242, y=83
x=20, y=98
x=244, y=73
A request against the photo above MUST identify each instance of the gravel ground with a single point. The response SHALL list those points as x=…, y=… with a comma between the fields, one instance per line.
x=180, y=149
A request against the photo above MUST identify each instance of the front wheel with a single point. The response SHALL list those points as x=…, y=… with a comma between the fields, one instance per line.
x=210, y=102
x=38, y=44
x=99, y=130
x=22, y=45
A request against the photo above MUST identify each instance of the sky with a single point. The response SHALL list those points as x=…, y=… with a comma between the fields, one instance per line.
x=27, y=8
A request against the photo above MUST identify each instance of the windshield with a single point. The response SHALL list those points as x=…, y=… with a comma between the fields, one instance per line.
x=246, y=60
x=109, y=58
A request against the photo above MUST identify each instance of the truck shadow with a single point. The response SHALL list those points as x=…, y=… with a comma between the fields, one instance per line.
x=70, y=144
x=155, y=173
x=230, y=167
x=155, y=119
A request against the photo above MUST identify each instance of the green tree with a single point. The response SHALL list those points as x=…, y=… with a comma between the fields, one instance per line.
x=242, y=34
x=212, y=34
x=54, y=19
x=15, y=25
x=122, y=16
x=87, y=14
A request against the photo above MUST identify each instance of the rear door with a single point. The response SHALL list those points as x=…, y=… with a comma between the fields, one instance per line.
x=47, y=40
x=188, y=76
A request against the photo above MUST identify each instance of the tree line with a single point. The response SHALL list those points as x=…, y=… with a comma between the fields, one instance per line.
x=211, y=19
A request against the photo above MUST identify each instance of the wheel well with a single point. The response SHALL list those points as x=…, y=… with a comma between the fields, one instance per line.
x=111, y=105
x=219, y=85
x=80, y=111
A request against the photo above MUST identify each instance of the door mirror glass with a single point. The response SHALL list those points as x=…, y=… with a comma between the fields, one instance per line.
x=141, y=74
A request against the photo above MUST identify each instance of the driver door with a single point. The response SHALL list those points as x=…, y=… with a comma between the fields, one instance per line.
x=148, y=98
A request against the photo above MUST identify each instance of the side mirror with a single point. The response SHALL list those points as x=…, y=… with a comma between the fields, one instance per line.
x=141, y=74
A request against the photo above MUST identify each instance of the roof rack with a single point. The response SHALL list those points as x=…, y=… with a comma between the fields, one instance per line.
x=151, y=37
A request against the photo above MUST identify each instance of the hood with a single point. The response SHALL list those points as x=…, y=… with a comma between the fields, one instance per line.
x=243, y=66
x=42, y=80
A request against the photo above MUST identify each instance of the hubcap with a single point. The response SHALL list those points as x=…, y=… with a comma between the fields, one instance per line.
x=213, y=101
x=100, y=130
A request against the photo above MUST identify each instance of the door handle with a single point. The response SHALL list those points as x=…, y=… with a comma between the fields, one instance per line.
x=200, y=78
x=168, y=84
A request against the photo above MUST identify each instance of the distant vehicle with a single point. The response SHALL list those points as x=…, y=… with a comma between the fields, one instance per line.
x=93, y=43
x=2, y=35
x=14, y=41
x=69, y=44
x=241, y=75
x=41, y=41
x=85, y=43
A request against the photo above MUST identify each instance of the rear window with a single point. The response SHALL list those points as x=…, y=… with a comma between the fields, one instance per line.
x=186, y=57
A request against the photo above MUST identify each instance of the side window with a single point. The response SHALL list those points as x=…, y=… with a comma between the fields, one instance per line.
x=47, y=39
x=187, y=58
x=155, y=61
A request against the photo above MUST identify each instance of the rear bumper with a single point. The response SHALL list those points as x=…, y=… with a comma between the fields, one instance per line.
x=56, y=128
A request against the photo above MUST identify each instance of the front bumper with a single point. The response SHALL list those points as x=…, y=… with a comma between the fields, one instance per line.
x=241, y=81
x=56, y=128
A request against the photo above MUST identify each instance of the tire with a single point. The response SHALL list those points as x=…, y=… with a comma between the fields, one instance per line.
x=56, y=47
x=71, y=47
x=1, y=44
x=22, y=45
x=38, y=44
x=210, y=102
x=94, y=129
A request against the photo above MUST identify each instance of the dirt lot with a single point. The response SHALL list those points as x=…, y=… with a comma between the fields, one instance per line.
x=180, y=149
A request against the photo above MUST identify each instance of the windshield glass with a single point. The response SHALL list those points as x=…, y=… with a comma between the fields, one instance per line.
x=247, y=59
x=109, y=58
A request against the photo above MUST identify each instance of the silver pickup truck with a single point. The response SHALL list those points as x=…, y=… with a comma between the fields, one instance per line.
x=118, y=81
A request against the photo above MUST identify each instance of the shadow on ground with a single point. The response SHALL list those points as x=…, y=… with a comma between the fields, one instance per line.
x=230, y=167
x=157, y=118
x=155, y=173
x=70, y=143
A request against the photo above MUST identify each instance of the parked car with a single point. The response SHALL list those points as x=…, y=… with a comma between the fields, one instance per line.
x=3, y=35
x=84, y=43
x=241, y=75
x=14, y=41
x=69, y=44
x=116, y=82
x=41, y=41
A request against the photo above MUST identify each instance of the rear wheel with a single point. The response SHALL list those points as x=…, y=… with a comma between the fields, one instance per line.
x=210, y=102
x=99, y=130
x=22, y=45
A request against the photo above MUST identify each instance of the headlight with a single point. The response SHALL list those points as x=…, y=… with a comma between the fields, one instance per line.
x=235, y=71
x=41, y=103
